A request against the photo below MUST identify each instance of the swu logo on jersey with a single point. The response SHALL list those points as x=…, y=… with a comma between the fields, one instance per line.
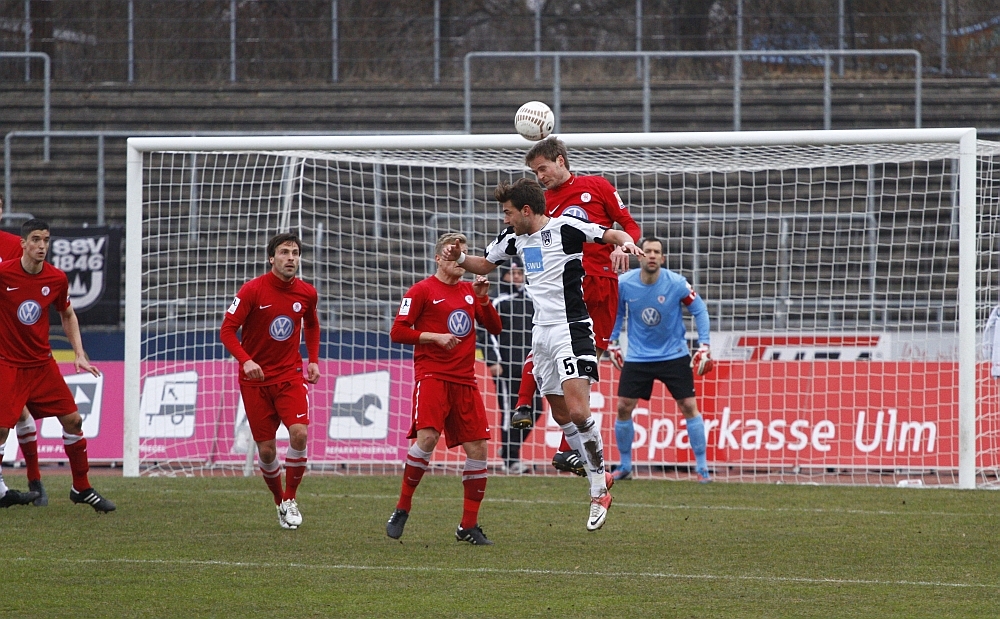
x=281, y=328
x=459, y=323
x=532, y=259
x=650, y=316
x=29, y=312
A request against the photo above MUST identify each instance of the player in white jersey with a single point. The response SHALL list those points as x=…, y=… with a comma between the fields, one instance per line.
x=652, y=298
x=551, y=249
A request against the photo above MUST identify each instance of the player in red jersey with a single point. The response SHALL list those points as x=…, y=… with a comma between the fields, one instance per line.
x=437, y=317
x=26, y=430
x=594, y=199
x=27, y=288
x=272, y=309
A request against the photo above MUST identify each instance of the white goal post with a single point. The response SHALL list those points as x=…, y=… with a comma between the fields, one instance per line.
x=849, y=276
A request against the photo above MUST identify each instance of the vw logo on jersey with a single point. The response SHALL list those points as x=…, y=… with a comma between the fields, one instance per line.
x=29, y=312
x=459, y=323
x=281, y=328
x=651, y=316
x=576, y=211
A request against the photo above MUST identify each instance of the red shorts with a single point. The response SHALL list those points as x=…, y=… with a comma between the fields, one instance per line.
x=452, y=408
x=41, y=388
x=601, y=296
x=269, y=405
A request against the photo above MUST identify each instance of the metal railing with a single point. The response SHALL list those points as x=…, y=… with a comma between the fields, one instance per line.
x=736, y=57
x=103, y=134
x=47, y=97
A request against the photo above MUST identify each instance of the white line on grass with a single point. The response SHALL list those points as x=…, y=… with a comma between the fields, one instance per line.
x=493, y=499
x=491, y=570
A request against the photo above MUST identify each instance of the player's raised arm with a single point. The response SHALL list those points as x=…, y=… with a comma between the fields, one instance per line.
x=623, y=240
x=472, y=264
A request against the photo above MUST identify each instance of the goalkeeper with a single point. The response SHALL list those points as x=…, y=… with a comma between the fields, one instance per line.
x=651, y=297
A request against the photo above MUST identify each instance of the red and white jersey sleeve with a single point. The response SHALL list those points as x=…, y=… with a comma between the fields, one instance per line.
x=24, y=317
x=434, y=306
x=10, y=246
x=593, y=199
x=271, y=313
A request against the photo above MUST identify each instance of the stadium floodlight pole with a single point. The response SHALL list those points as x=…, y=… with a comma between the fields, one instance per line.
x=508, y=151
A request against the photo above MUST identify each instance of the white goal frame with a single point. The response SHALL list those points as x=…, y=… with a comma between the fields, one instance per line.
x=964, y=138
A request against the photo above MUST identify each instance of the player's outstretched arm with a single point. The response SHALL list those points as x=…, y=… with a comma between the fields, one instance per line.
x=623, y=240
x=472, y=264
x=72, y=328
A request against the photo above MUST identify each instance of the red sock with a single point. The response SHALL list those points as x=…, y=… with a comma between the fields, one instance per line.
x=78, y=463
x=273, y=481
x=526, y=393
x=29, y=447
x=475, y=488
x=411, y=479
x=563, y=445
x=295, y=469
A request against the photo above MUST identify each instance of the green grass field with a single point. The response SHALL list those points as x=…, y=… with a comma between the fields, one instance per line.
x=213, y=548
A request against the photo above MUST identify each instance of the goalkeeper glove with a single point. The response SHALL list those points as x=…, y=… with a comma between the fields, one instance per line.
x=701, y=361
x=615, y=353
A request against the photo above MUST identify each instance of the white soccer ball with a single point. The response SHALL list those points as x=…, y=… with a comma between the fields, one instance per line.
x=534, y=121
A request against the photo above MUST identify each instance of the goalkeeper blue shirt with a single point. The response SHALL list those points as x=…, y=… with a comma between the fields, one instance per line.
x=654, y=316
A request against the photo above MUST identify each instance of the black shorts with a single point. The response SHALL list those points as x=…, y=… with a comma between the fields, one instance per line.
x=637, y=378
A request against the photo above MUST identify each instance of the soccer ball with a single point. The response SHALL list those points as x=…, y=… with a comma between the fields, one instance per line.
x=534, y=121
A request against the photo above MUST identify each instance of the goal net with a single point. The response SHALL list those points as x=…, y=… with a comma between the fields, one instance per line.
x=850, y=278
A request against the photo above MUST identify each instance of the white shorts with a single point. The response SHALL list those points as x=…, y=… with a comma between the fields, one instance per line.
x=562, y=352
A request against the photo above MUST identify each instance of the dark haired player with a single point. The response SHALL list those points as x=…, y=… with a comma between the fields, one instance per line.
x=29, y=373
x=271, y=309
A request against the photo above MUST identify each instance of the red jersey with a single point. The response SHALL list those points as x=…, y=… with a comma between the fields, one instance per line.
x=434, y=306
x=271, y=313
x=24, y=312
x=10, y=246
x=593, y=199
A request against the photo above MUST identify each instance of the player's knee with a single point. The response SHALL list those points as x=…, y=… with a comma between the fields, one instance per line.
x=689, y=408
x=625, y=408
x=267, y=452
x=72, y=423
x=475, y=450
x=298, y=436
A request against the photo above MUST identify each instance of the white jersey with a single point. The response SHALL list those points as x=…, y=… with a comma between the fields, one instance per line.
x=553, y=266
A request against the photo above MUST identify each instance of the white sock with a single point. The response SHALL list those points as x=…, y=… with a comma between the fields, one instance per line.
x=573, y=438
x=3, y=484
x=589, y=435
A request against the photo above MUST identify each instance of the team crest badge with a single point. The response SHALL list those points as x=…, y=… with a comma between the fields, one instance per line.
x=296, y=307
x=661, y=298
x=45, y=291
x=468, y=299
x=546, y=238
x=585, y=197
